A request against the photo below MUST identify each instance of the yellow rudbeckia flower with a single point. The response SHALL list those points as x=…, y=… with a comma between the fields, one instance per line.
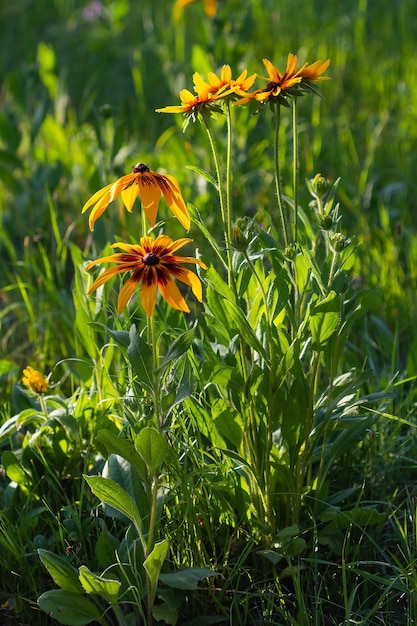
x=149, y=186
x=152, y=266
x=34, y=380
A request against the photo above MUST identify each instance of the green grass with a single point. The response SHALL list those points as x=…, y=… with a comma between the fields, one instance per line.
x=77, y=111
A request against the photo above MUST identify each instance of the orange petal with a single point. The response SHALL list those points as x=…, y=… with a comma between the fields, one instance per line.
x=148, y=297
x=291, y=64
x=150, y=196
x=263, y=95
x=191, y=259
x=273, y=73
x=104, y=277
x=201, y=86
x=172, y=246
x=94, y=198
x=117, y=187
x=113, y=258
x=172, y=295
x=192, y=280
x=176, y=202
x=99, y=209
x=313, y=71
x=172, y=109
x=226, y=74
x=126, y=293
x=129, y=196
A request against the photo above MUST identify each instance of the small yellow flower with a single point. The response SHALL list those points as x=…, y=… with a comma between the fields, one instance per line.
x=152, y=265
x=34, y=380
x=224, y=85
x=149, y=186
x=203, y=101
x=292, y=82
x=312, y=72
x=210, y=7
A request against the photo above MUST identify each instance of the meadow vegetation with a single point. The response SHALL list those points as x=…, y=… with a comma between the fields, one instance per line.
x=251, y=461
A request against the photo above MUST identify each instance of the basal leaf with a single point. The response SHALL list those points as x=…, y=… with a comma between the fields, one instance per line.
x=112, y=494
x=153, y=564
x=153, y=447
x=62, y=572
x=324, y=319
x=120, y=336
x=70, y=608
x=14, y=469
x=141, y=359
x=178, y=347
x=122, y=447
x=107, y=588
x=186, y=578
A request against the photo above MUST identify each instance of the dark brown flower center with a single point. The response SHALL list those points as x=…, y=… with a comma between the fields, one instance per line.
x=139, y=168
x=272, y=85
x=151, y=259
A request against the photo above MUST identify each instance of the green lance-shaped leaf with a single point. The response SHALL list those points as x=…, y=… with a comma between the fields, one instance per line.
x=141, y=359
x=107, y=588
x=324, y=319
x=14, y=469
x=361, y=516
x=70, y=608
x=62, y=572
x=122, y=447
x=121, y=337
x=153, y=447
x=295, y=416
x=112, y=494
x=363, y=302
x=153, y=564
x=178, y=347
x=162, y=612
x=186, y=578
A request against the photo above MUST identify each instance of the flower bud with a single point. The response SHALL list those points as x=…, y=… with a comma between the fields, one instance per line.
x=339, y=242
x=239, y=241
x=326, y=222
x=318, y=185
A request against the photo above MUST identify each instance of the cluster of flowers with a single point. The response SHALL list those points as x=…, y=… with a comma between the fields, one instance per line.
x=279, y=85
x=152, y=264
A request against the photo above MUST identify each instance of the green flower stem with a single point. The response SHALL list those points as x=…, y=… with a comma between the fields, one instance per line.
x=224, y=196
x=152, y=514
x=154, y=482
x=332, y=269
x=304, y=465
x=269, y=513
x=229, y=175
x=277, y=171
x=155, y=364
x=119, y=615
x=43, y=405
x=295, y=165
x=144, y=224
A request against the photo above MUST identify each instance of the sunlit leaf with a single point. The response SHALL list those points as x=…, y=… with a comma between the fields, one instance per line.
x=69, y=608
x=61, y=571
